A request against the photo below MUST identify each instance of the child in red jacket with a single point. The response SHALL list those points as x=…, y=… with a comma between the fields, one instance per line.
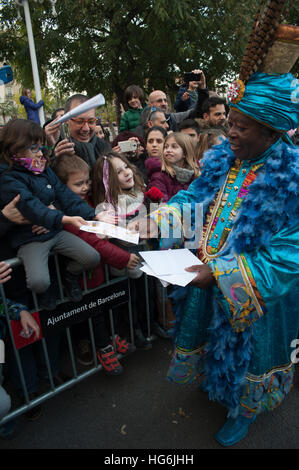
x=75, y=173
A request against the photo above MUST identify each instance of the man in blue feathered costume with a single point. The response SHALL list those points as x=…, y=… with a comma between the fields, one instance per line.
x=237, y=322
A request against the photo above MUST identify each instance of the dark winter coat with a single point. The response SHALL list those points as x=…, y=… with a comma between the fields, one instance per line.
x=37, y=193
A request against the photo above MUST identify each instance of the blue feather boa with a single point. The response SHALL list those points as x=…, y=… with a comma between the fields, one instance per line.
x=272, y=202
x=227, y=359
x=227, y=353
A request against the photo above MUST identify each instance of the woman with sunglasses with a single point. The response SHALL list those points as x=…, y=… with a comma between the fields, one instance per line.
x=24, y=170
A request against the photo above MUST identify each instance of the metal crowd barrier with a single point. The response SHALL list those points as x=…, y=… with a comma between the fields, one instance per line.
x=112, y=293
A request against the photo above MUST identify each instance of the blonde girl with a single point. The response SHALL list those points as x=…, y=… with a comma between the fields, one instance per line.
x=179, y=165
x=115, y=179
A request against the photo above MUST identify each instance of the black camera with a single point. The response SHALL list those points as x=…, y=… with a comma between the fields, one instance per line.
x=192, y=77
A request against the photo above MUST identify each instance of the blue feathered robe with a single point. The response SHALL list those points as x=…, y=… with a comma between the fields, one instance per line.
x=240, y=333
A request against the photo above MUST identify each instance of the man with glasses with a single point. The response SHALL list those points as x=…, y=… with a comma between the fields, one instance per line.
x=158, y=98
x=82, y=140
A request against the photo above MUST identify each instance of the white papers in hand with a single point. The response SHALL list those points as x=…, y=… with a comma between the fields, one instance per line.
x=112, y=231
x=169, y=265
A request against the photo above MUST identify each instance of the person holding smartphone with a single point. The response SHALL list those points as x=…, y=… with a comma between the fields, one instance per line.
x=187, y=95
x=131, y=146
x=158, y=98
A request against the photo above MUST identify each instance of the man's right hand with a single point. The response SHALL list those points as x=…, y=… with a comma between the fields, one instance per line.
x=28, y=322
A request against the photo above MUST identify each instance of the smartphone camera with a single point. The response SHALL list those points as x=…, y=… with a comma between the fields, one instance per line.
x=65, y=132
x=192, y=77
x=128, y=146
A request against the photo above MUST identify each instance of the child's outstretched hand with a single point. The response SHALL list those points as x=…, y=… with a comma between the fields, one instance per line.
x=75, y=220
x=146, y=227
x=28, y=323
x=133, y=261
x=107, y=216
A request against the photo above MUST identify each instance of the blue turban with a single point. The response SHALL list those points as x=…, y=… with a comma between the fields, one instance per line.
x=272, y=100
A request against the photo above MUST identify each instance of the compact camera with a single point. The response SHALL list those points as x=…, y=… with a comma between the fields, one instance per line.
x=128, y=146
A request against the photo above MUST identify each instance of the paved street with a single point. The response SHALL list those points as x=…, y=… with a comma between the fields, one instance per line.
x=141, y=410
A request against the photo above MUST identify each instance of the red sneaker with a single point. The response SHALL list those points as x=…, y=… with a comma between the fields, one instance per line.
x=109, y=360
x=122, y=346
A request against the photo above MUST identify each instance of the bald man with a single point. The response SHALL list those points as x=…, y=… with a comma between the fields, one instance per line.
x=158, y=99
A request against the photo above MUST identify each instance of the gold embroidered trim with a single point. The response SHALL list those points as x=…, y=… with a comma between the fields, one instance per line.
x=249, y=287
x=260, y=378
x=207, y=255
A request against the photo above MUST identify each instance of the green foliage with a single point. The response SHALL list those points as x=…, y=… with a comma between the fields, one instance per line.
x=8, y=110
x=103, y=46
